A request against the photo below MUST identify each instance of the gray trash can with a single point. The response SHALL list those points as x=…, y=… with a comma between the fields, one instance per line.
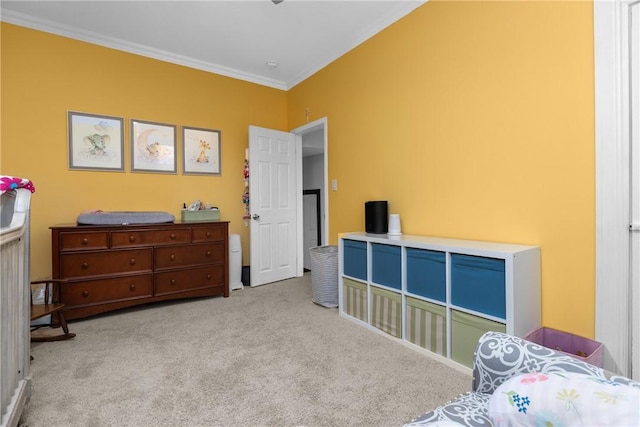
x=324, y=275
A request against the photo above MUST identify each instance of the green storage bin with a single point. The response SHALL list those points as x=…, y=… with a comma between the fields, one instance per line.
x=466, y=329
x=427, y=325
x=200, y=215
x=386, y=311
x=355, y=299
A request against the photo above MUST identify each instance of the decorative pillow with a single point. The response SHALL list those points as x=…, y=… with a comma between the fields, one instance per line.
x=564, y=399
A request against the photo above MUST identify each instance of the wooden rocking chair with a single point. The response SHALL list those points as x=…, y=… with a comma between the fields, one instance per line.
x=51, y=306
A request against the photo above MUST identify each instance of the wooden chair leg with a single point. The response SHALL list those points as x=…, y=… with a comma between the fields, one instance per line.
x=53, y=338
x=62, y=323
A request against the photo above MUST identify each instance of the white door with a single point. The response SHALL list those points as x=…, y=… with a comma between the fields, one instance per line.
x=634, y=84
x=272, y=195
x=617, y=72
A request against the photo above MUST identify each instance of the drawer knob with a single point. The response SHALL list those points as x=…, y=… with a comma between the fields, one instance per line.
x=208, y=234
x=132, y=261
x=85, y=265
x=208, y=277
x=132, y=287
x=172, y=257
x=85, y=293
x=173, y=236
x=172, y=282
x=132, y=238
x=208, y=253
x=85, y=241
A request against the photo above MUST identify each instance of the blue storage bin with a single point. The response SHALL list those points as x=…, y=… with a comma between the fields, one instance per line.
x=427, y=273
x=355, y=259
x=478, y=283
x=386, y=265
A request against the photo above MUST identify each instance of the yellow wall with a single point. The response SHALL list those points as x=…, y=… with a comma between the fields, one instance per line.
x=475, y=120
x=44, y=76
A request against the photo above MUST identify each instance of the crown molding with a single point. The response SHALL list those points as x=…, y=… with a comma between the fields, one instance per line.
x=28, y=21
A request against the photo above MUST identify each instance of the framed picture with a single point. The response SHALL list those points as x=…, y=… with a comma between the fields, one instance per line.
x=96, y=142
x=153, y=147
x=201, y=155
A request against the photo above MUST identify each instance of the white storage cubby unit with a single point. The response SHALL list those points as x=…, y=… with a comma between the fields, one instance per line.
x=439, y=294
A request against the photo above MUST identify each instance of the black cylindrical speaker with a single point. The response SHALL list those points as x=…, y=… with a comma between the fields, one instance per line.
x=375, y=217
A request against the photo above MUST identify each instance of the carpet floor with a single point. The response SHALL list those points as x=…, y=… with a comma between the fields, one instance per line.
x=265, y=356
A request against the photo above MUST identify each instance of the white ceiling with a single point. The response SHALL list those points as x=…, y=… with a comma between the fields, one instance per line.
x=235, y=38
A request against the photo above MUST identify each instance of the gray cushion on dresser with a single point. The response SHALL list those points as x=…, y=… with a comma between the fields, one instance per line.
x=124, y=217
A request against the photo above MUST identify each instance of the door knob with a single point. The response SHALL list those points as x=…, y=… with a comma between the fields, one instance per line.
x=256, y=217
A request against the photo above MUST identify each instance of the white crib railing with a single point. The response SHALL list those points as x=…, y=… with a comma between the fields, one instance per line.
x=15, y=380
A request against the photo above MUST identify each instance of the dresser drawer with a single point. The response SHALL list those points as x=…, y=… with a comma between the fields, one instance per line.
x=106, y=290
x=185, y=280
x=83, y=240
x=210, y=233
x=130, y=238
x=87, y=264
x=183, y=256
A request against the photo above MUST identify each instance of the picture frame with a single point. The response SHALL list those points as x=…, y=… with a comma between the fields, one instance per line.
x=201, y=151
x=95, y=142
x=153, y=147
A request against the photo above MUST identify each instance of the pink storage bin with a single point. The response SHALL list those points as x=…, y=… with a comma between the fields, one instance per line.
x=576, y=346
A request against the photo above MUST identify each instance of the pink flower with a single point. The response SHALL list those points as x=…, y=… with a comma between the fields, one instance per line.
x=533, y=377
x=8, y=183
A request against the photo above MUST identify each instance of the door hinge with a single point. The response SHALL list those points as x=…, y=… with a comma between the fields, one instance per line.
x=634, y=227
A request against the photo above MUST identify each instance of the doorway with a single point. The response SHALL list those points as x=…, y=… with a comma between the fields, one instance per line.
x=312, y=141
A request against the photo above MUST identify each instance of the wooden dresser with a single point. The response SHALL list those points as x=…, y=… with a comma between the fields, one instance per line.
x=109, y=267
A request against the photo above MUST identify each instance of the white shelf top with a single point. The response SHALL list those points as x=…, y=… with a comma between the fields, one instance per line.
x=440, y=243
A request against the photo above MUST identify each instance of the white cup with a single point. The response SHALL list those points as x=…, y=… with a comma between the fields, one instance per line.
x=394, y=225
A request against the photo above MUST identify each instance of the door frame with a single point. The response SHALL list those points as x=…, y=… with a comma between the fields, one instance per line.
x=612, y=125
x=299, y=132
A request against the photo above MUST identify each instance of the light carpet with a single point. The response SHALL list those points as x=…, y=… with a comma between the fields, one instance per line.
x=265, y=356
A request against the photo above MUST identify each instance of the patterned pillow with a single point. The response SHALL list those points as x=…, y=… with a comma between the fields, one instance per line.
x=564, y=399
